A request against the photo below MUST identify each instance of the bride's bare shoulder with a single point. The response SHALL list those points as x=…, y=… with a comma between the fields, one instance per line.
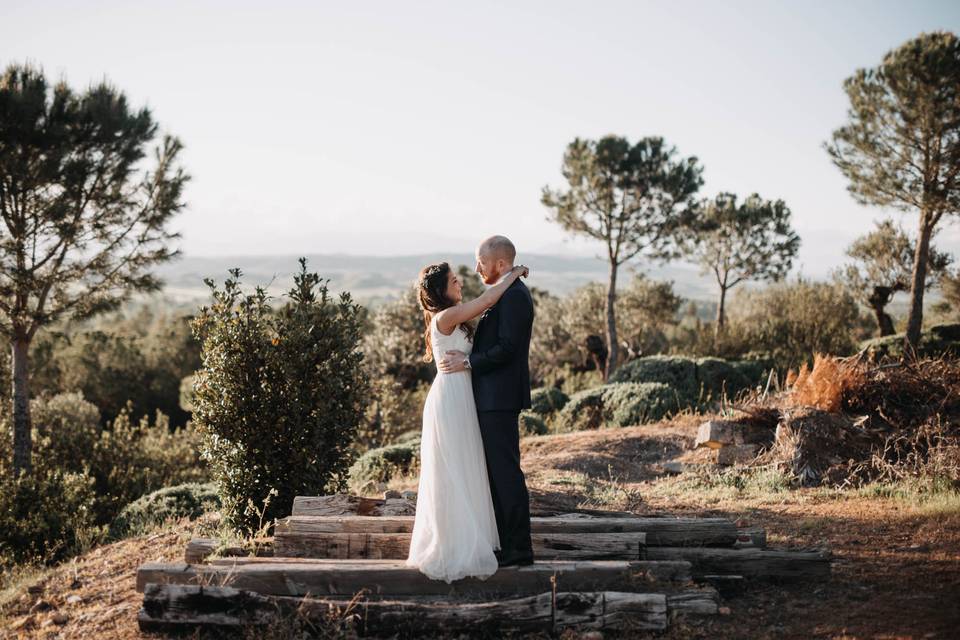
x=437, y=324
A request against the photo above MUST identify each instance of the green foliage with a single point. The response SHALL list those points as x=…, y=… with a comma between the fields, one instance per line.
x=634, y=403
x=379, y=465
x=394, y=410
x=645, y=309
x=678, y=372
x=280, y=396
x=43, y=515
x=883, y=265
x=125, y=460
x=793, y=320
x=547, y=400
x=752, y=240
x=716, y=377
x=937, y=340
x=532, y=424
x=583, y=412
x=631, y=198
x=134, y=360
x=393, y=343
x=189, y=500
x=619, y=404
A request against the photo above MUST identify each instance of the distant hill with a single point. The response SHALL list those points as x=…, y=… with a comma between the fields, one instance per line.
x=374, y=278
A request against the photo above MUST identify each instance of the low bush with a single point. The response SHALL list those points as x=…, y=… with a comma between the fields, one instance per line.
x=676, y=371
x=583, y=412
x=189, y=500
x=126, y=460
x=937, y=340
x=633, y=403
x=531, y=424
x=379, y=465
x=546, y=401
x=43, y=516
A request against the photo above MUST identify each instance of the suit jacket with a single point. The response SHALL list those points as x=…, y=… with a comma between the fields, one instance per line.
x=501, y=351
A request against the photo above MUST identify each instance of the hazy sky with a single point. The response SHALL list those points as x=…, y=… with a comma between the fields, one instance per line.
x=405, y=127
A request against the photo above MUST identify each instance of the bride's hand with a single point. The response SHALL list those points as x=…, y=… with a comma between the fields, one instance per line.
x=523, y=269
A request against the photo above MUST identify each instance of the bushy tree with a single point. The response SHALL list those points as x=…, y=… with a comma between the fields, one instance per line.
x=749, y=240
x=883, y=261
x=901, y=145
x=632, y=198
x=280, y=395
x=84, y=219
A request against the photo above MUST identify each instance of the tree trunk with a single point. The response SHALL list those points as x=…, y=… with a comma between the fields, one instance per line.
x=915, y=320
x=884, y=321
x=22, y=446
x=612, y=347
x=721, y=315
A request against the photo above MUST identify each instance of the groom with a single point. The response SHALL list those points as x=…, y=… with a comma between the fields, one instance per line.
x=501, y=387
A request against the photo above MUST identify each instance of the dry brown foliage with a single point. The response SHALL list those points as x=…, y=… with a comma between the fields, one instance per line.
x=825, y=386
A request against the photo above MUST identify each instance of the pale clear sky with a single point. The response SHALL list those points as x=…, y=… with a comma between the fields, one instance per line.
x=405, y=127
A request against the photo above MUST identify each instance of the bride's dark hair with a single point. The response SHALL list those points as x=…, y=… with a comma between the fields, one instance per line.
x=432, y=296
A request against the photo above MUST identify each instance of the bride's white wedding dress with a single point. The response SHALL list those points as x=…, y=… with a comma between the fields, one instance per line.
x=455, y=528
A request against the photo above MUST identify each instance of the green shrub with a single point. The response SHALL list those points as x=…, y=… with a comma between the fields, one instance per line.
x=379, y=465
x=583, y=412
x=546, y=401
x=938, y=339
x=676, y=371
x=280, y=395
x=619, y=404
x=394, y=410
x=126, y=460
x=631, y=403
x=189, y=500
x=43, y=516
x=717, y=377
x=531, y=424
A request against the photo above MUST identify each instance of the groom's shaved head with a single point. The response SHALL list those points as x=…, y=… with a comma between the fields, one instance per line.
x=498, y=248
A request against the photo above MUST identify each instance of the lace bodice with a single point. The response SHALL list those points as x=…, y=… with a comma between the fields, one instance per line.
x=457, y=340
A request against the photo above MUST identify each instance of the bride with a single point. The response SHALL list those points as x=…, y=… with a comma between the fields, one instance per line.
x=455, y=528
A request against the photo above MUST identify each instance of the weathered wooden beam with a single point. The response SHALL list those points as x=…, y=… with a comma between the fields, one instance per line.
x=297, y=577
x=343, y=504
x=178, y=608
x=747, y=562
x=660, y=531
x=199, y=549
x=546, y=546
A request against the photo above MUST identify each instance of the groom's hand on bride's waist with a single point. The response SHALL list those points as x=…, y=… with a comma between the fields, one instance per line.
x=453, y=361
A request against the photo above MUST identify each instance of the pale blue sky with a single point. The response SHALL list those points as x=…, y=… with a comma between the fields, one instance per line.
x=404, y=127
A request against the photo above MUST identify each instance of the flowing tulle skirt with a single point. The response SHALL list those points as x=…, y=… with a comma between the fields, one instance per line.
x=455, y=529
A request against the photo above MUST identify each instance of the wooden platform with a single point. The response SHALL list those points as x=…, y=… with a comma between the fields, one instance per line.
x=674, y=532
x=344, y=553
x=300, y=577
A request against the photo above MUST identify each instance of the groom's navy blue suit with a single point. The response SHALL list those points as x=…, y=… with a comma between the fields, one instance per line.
x=501, y=387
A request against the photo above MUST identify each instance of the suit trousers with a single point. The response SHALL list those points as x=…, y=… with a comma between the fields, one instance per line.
x=500, y=431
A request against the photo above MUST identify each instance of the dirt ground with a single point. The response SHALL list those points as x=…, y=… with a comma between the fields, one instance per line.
x=896, y=573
